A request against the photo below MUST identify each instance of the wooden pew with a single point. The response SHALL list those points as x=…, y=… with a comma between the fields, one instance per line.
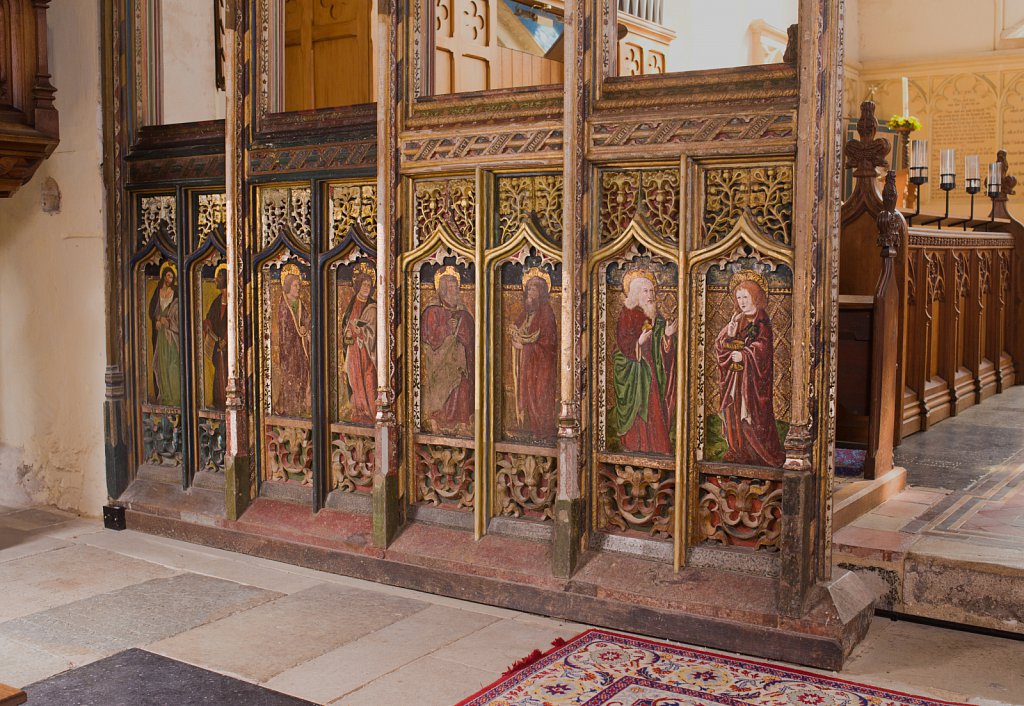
x=955, y=284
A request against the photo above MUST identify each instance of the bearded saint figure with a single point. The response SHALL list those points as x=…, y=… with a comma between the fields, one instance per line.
x=745, y=348
x=535, y=359
x=447, y=336
x=163, y=315
x=644, y=370
x=215, y=328
x=359, y=345
x=293, y=341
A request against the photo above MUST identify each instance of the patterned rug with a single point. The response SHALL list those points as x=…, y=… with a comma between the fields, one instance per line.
x=600, y=668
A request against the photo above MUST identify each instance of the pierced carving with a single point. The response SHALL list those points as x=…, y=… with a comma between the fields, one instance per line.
x=741, y=512
x=962, y=275
x=650, y=195
x=352, y=462
x=984, y=275
x=936, y=272
x=527, y=485
x=866, y=155
x=353, y=204
x=161, y=438
x=450, y=202
x=765, y=192
x=290, y=454
x=211, y=215
x=445, y=475
x=211, y=445
x=533, y=197
x=156, y=215
x=277, y=160
x=288, y=210
x=1004, y=276
x=497, y=144
x=685, y=130
x=634, y=498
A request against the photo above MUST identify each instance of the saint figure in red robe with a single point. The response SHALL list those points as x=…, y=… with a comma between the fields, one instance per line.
x=644, y=370
x=746, y=365
x=359, y=345
x=447, y=338
x=293, y=340
x=535, y=360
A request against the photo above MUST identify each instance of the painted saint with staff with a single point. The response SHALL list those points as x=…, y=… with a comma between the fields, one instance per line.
x=534, y=338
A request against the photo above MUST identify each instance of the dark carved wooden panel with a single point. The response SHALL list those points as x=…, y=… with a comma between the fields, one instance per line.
x=29, y=129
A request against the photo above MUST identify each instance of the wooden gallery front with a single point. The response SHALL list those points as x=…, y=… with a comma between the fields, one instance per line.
x=530, y=324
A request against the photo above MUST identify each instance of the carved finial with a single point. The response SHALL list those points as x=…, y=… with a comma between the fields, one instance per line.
x=792, y=44
x=1009, y=181
x=866, y=155
x=890, y=221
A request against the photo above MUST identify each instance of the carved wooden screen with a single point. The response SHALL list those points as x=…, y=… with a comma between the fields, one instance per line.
x=741, y=313
x=284, y=334
x=179, y=324
x=156, y=343
x=636, y=344
x=350, y=295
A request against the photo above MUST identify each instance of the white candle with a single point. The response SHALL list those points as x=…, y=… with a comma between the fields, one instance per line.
x=947, y=162
x=995, y=177
x=918, y=153
x=972, y=167
x=906, y=97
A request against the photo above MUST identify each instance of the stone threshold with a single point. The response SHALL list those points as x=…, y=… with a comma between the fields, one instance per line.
x=709, y=607
x=861, y=497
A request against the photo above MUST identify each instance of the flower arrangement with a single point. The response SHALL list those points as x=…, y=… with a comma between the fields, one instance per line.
x=904, y=122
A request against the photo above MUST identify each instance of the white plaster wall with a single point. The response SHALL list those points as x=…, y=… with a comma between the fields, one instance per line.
x=716, y=35
x=188, y=71
x=899, y=30
x=51, y=294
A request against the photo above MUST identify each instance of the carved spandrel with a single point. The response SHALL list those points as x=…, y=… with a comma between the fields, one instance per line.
x=210, y=216
x=157, y=214
x=285, y=210
x=537, y=198
x=766, y=192
x=450, y=203
x=649, y=195
x=352, y=462
x=351, y=205
x=632, y=498
x=445, y=475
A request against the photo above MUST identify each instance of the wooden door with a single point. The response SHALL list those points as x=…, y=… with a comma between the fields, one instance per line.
x=327, y=53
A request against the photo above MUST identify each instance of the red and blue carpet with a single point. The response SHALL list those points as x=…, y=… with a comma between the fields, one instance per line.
x=600, y=668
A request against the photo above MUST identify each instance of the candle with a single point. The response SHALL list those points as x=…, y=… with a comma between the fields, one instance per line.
x=918, y=153
x=995, y=179
x=972, y=168
x=946, y=162
x=906, y=96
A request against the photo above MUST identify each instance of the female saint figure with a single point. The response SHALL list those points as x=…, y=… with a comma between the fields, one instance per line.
x=746, y=365
x=293, y=340
x=163, y=317
x=359, y=345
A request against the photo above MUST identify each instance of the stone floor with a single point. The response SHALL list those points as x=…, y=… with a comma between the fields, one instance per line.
x=75, y=593
x=951, y=546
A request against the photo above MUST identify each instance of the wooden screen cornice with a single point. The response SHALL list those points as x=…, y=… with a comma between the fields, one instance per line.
x=29, y=129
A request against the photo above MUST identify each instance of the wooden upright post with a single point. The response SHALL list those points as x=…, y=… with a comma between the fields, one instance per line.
x=892, y=233
x=569, y=504
x=386, y=500
x=238, y=478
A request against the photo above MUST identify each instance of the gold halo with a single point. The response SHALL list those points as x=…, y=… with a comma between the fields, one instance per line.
x=748, y=276
x=290, y=269
x=536, y=272
x=448, y=271
x=168, y=265
x=633, y=274
x=222, y=267
x=364, y=268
